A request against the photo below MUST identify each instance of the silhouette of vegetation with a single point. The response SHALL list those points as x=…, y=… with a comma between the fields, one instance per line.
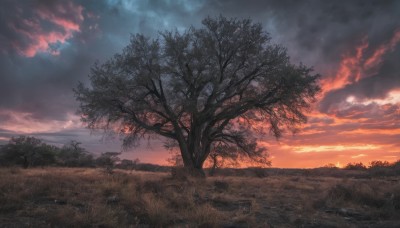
x=200, y=88
x=128, y=164
x=225, y=156
x=108, y=160
x=73, y=155
x=330, y=166
x=221, y=157
x=379, y=164
x=27, y=151
x=355, y=166
x=382, y=168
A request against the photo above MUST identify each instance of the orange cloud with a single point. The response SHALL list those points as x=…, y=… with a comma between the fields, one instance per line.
x=353, y=67
x=324, y=148
x=64, y=19
x=372, y=132
x=359, y=156
x=349, y=70
x=376, y=58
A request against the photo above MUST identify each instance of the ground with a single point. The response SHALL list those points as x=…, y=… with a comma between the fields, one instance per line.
x=80, y=197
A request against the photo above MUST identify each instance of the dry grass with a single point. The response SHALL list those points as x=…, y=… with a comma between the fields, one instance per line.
x=75, y=197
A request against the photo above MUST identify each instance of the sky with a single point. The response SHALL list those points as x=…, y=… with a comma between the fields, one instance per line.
x=48, y=46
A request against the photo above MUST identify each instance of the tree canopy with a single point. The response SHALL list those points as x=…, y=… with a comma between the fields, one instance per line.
x=27, y=151
x=74, y=155
x=216, y=86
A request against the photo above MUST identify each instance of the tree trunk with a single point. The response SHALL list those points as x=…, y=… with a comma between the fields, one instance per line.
x=214, y=165
x=193, y=152
x=26, y=162
x=195, y=170
x=193, y=165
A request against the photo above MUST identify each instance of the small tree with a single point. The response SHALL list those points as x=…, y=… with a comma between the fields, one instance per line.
x=217, y=84
x=28, y=151
x=73, y=154
x=108, y=159
x=379, y=164
x=45, y=155
x=355, y=166
x=330, y=166
x=175, y=159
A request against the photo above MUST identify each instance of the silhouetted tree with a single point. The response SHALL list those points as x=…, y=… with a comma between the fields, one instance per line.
x=379, y=164
x=73, y=154
x=175, y=159
x=128, y=164
x=199, y=88
x=108, y=159
x=330, y=166
x=396, y=165
x=223, y=155
x=355, y=166
x=28, y=151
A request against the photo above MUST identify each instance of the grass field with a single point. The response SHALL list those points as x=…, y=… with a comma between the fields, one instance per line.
x=78, y=197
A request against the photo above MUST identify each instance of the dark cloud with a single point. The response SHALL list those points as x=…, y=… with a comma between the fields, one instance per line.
x=38, y=26
x=386, y=79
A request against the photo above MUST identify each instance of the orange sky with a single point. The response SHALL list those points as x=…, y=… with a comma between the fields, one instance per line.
x=353, y=130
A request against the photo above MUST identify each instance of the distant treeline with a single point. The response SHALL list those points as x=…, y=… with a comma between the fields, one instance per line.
x=351, y=170
x=26, y=151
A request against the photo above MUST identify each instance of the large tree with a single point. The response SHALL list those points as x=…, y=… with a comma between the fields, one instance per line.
x=221, y=84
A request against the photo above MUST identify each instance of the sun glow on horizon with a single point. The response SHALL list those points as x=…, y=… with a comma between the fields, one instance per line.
x=327, y=148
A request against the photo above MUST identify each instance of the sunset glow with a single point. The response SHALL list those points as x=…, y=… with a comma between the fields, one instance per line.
x=48, y=46
x=355, y=66
x=307, y=149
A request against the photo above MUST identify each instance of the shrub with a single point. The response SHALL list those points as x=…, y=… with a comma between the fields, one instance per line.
x=221, y=185
x=379, y=164
x=259, y=172
x=157, y=212
x=361, y=194
x=179, y=173
x=330, y=166
x=355, y=166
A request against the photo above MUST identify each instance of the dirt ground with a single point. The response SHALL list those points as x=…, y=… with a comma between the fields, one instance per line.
x=78, y=197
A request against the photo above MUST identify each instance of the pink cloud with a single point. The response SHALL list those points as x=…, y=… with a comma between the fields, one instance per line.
x=25, y=123
x=355, y=64
x=46, y=26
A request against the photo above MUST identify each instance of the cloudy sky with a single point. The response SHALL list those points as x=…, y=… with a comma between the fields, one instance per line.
x=47, y=46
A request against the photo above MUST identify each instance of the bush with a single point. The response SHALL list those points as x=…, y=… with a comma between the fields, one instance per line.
x=259, y=172
x=221, y=186
x=355, y=166
x=379, y=164
x=361, y=194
